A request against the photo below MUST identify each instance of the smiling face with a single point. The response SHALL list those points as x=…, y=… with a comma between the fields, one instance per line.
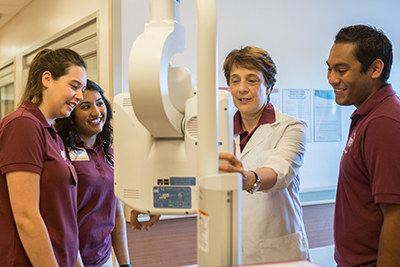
x=89, y=116
x=249, y=91
x=61, y=96
x=344, y=75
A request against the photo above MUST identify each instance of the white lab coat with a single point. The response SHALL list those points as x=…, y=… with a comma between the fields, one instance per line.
x=273, y=228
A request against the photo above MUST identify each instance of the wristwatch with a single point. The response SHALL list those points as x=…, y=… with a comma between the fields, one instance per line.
x=256, y=185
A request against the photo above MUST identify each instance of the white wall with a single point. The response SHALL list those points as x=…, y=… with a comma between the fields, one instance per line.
x=298, y=34
x=42, y=19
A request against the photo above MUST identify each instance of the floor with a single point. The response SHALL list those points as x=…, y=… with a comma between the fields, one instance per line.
x=174, y=242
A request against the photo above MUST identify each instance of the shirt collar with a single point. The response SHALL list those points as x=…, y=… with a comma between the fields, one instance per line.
x=267, y=116
x=374, y=100
x=35, y=111
x=80, y=143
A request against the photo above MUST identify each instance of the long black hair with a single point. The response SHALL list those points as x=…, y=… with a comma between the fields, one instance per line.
x=66, y=129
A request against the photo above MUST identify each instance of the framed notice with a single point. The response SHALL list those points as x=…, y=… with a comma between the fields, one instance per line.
x=327, y=117
x=297, y=103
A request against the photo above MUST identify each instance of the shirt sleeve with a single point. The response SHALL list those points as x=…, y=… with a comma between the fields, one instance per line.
x=382, y=158
x=287, y=157
x=22, y=146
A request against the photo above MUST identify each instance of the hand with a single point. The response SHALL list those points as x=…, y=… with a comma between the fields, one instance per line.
x=135, y=224
x=235, y=165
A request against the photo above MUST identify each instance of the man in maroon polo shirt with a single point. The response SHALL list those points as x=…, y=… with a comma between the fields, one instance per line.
x=367, y=212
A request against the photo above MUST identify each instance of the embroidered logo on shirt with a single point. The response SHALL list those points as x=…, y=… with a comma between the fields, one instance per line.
x=111, y=163
x=350, y=142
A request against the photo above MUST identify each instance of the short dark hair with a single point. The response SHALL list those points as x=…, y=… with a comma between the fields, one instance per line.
x=371, y=44
x=57, y=62
x=252, y=58
x=65, y=126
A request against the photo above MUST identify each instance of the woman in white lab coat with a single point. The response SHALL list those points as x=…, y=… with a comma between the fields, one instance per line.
x=269, y=151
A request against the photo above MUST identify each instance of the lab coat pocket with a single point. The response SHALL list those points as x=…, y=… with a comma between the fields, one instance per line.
x=285, y=248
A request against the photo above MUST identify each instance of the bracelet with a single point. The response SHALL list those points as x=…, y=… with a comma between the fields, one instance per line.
x=125, y=265
x=256, y=185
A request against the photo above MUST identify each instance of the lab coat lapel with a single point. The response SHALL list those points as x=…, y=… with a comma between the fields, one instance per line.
x=263, y=133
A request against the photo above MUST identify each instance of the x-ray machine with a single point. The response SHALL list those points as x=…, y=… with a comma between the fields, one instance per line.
x=168, y=133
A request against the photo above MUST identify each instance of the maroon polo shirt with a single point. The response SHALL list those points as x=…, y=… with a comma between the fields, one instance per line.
x=368, y=175
x=29, y=143
x=267, y=116
x=96, y=203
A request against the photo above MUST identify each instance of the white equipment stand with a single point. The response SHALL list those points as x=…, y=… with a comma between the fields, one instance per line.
x=167, y=134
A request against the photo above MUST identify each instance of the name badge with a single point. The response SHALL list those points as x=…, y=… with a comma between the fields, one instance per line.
x=78, y=155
